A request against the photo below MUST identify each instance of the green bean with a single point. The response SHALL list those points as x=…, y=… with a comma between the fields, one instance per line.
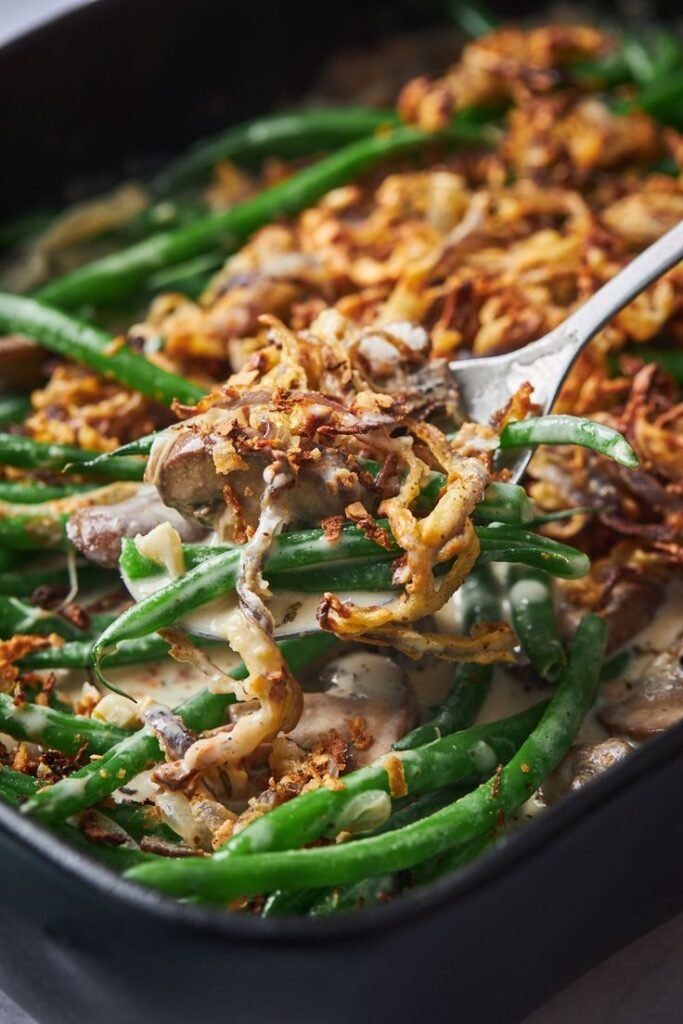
x=8, y=560
x=78, y=654
x=449, y=861
x=25, y=583
x=102, y=460
x=141, y=750
x=33, y=492
x=27, y=527
x=16, y=784
x=471, y=683
x=484, y=810
x=661, y=98
x=25, y=453
x=475, y=19
x=190, y=277
x=504, y=503
x=285, y=135
x=533, y=617
x=368, y=891
x=107, y=279
x=96, y=349
x=138, y=820
x=569, y=430
x=523, y=548
x=56, y=729
x=14, y=408
x=283, y=903
x=18, y=617
x=473, y=752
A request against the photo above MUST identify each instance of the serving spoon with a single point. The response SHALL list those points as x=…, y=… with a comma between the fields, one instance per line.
x=486, y=384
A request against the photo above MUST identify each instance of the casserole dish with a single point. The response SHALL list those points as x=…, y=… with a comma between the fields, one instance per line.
x=489, y=944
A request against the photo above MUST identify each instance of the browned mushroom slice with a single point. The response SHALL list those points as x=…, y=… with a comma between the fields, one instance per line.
x=188, y=480
x=21, y=363
x=98, y=530
x=582, y=764
x=657, y=701
x=367, y=698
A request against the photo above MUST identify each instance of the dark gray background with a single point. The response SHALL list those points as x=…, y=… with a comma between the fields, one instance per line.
x=641, y=985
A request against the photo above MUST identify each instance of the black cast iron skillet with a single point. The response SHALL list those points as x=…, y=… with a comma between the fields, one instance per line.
x=78, y=944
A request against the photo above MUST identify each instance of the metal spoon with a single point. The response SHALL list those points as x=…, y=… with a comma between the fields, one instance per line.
x=486, y=384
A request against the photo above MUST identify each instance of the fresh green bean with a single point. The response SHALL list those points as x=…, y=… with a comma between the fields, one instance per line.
x=285, y=135
x=475, y=19
x=33, y=492
x=96, y=349
x=213, y=572
x=484, y=810
x=8, y=561
x=533, y=617
x=379, y=888
x=479, y=603
x=449, y=861
x=367, y=892
x=25, y=453
x=56, y=729
x=107, y=279
x=102, y=460
x=473, y=752
x=14, y=409
x=27, y=527
x=202, y=711
x=569, y=430
x=78, y=654
x=138, y=820
x=18, y=617
x=23, y=583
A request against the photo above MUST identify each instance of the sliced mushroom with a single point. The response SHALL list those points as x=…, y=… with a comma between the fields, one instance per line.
x=657, y=701
x=21, y=363
x=188, y=480
x=367, y=698
x=582, y=764
x=98, y=531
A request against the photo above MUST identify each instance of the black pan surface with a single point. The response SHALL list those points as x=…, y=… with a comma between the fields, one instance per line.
x=78, y=944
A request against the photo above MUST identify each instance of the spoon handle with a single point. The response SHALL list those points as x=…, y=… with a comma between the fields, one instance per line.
x=592, y=316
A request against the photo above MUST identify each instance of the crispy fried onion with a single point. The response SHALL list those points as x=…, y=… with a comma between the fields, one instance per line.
x=279, y=453
x=18, y=647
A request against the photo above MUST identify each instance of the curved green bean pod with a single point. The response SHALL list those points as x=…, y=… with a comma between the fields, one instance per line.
x=533, y=617
x=27, y=527
x=140, y=750
x=92, y=347
x=32, y=492
x=473, y=752
x=14, y=408
x=107, y=279
x=25, y=453
x=14, y=582
x=56, y=729
x=569, y=430
x=286, y=135
x=484, y=810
